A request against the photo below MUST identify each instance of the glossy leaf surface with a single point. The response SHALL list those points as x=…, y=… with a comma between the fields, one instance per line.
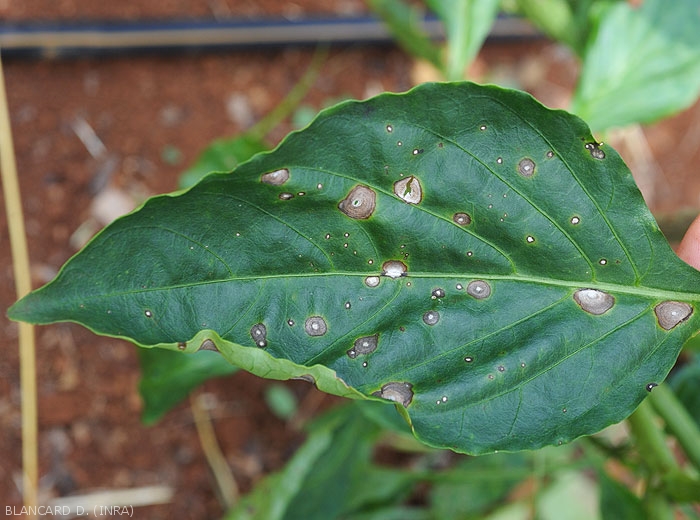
x=459, y=249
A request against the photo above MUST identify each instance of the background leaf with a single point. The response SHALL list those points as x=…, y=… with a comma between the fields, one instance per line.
x=168, y=377
x=467, y=23
x=642, y=63
x=459, y=249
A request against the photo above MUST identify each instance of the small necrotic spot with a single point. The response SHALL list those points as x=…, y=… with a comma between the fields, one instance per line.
x=530, y=239
x=459, y=287
x=595, y=151
x=389, y=128
x=208, y=344
x=437, y=293
x=501, y=368
x=399, y=143
x=259, y=334
x=651, y=386
x=468, y=359
x=409, y=190
x=526, y=167
x=479, y=289
x=594, y=301
x=416, y=151
x=181, y=345
x=290, y=322
x=359, y=203
x=550, y=154
x=602, y=261
x=397, y=392
x=315, y=326
x=671, y=313
x=372, y=281
x=148, y=313
x=348, y=305
x=482, y=127
x=431, y=317
x=363, y=346
x=461, y=219
x=276, y=178
x=499, y=160
x=575, y=220
x=394, y=269
x=285, y=196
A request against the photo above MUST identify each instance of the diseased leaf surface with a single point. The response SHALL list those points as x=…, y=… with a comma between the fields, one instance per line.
x=459, y=249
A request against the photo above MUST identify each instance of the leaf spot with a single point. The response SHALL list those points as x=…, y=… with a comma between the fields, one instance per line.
x=285, y=196
x=431, y=317
x=315, y=326
x=594, y=301
x=276, y=178
x=671, y=313
x=530, y=239
x=290, y=322
x=461, y=219
x=363, y=346
x=181, y=345
x=469, y=359
x=409, y=190
x=359, y=203
x=259, y=334
x=602, y=261
x=499, y=160
x=651, y=386
x=372, y=281
x=437, y=293
x=575, y=220
x=482, y=127
x=526, y=167
x=148, y=313
x=479, y=289
x=459, y=287
x=394, y=269
x=595, y=151
x=397, y=392
x=550, y=154
x=416, y=151
x=348, y=305
x=208, y=344
x=389, y=128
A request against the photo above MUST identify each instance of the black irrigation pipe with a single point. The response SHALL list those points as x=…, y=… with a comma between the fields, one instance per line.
x=77, y=39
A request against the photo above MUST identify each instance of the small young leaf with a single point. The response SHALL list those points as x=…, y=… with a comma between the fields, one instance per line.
x=642, y=63
x=460, y=250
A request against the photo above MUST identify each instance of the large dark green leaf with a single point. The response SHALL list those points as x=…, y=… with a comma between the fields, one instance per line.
x=459, y=249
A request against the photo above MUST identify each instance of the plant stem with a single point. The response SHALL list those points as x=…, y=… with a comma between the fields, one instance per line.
x=23, y=285
x=293, y=98
x=228, y=489
x=657, y=456
x=678, y=421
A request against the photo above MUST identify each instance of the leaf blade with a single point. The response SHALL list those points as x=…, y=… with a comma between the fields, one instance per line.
x=465, y=289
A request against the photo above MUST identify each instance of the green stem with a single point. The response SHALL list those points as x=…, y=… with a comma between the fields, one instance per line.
x=678, y=421
x=657, y=456
x=293, y=98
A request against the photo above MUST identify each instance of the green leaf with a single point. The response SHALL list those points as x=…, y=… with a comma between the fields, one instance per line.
x=459, y=249
x=492, y=478
x=340, y=479
x=617, y=502
x=467, y=23
x=168, y=377
x=404, y=23
x=642, y=63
